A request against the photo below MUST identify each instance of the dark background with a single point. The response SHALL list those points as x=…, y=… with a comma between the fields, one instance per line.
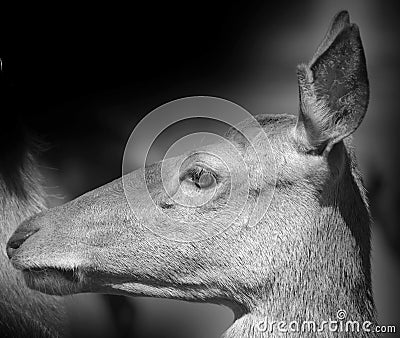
x=84, y=76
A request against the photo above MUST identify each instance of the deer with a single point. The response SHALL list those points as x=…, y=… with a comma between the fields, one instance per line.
x=306, y=258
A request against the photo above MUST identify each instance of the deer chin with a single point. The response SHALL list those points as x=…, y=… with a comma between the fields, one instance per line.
x=144, y=288
x=53, y=280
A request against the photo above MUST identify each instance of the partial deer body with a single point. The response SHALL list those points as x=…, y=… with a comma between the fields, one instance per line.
x=307, y=258
x=23, y=312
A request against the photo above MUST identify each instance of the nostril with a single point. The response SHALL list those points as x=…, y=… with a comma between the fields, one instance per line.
x=16, y=241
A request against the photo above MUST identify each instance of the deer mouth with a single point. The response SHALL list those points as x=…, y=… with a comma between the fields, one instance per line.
x=53, y=280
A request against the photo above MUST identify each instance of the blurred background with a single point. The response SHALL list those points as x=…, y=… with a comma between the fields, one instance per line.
x=86, y=75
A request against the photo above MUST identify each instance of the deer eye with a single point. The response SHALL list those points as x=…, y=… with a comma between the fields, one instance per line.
x=202, y=178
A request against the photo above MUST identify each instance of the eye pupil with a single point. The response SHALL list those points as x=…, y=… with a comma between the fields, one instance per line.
x=205, y=180
x=202, y=179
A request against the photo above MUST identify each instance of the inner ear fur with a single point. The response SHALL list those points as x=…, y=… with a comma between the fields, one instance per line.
x=333, y=87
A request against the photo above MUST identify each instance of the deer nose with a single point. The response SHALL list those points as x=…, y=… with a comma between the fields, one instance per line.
x=16, y=241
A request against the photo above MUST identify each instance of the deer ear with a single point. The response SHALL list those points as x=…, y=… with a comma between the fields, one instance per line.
x=333, y=87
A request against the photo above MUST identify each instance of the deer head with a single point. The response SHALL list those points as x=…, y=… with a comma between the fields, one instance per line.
x=308, y=255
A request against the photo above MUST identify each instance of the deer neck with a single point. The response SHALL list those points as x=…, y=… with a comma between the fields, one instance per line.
x=330, y=269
